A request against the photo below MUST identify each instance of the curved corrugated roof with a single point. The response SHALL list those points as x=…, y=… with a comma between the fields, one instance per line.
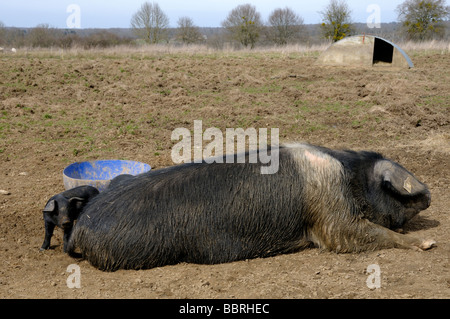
x=411, y=65
x=362, y=50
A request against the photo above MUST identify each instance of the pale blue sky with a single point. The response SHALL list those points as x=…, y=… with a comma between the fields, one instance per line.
x=205, y=13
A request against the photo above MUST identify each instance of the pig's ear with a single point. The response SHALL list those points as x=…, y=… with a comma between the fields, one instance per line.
x=50, y=207
x=396, y=179
x=76, y=202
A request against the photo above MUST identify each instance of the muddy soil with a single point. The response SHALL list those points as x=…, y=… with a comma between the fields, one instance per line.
x=56, y=109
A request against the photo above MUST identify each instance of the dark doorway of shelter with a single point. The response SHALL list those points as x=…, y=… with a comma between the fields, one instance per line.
x=382, y=52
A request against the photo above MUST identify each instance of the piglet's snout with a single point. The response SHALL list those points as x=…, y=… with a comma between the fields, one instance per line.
x=428, y=199
x=65, y=222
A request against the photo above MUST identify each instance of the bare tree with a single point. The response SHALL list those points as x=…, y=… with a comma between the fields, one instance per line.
x=423, y=19
x=150, y=23
x=336, y=20
x=285, y=26
x=187, y=32
x=244, y=24
x=43, y=36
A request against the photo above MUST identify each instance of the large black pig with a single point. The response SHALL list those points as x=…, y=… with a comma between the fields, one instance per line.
x=339, y=200
x=63, y=209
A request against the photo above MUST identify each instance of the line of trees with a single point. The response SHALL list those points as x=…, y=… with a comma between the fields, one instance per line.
x=419, y=20
x=45, y=36
x=243, y=25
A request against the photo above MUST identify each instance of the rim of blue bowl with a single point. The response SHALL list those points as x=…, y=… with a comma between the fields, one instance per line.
x=146, y=167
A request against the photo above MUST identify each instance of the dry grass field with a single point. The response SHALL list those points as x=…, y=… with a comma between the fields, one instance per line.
x=58, y=107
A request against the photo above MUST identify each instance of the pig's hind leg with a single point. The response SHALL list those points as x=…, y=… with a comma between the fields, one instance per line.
x=362, y=235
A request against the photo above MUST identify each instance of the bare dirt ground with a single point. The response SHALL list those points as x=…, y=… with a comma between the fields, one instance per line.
x=57, y=108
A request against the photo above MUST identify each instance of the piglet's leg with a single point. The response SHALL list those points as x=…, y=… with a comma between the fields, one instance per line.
x=49, y=228
x=361, y=234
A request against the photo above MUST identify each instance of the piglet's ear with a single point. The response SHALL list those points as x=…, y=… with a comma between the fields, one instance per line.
x=50, y=207
x=396, y=179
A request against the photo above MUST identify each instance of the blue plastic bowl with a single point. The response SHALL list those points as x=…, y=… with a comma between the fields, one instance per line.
x=100, y=173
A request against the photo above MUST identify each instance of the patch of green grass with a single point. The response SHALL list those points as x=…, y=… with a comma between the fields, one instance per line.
x=436, y=100
x=335, y=107
x=316, y=127
x=18, y=87
x=165, y=92
x=5, y=127
x=130, y=129
x=271, y=88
